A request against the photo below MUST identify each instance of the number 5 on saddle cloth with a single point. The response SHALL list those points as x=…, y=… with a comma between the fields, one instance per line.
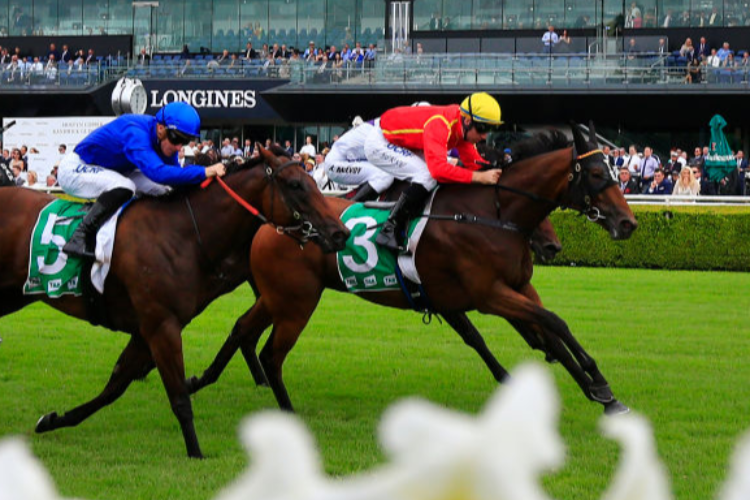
x=51, y=271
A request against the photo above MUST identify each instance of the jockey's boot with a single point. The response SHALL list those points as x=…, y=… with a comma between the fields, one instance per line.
x=83, y=241
x=365, y=193
x=410, y=204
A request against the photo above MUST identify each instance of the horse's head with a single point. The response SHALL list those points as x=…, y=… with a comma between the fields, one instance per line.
x=544, y=241
x=295, y=200
x=594, y=188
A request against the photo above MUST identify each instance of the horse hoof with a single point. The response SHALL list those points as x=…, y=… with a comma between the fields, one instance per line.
x=46, y=423
x=615, y=408
x=192, y=384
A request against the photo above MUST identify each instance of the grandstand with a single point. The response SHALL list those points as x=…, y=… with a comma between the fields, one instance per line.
x=474, y=45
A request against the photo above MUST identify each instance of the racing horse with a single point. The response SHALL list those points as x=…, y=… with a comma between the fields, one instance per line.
x=173, y=255
x=484, y=266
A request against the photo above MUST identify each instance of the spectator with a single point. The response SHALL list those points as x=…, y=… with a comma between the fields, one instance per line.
x=185, y=54
x=660, y=184
x=308, y=148
x=702, y=51
x=143, y=58
x=698, y=160
x=370, y=55
x=687, y=183
x=634, y=163
x=50, y=69
x=31, y=179
x=247, y=150
x=626, y=183
x=649, y=165
x=723, y=52
x=288, y=148
x=693, y=74
x=51, y=180
x=250, y=52
x=564, y=42
x=37, y=68
x=223, y=59
x=634, y=17
x=53, y=52
x=236, y=149
x=226, y=148
x=687, y=50
x=5, y=160
x=550, y=39
x=707, y=187
x=742, y=173
x=90, y=59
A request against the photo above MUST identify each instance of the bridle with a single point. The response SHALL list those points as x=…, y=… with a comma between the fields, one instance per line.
x=581, y=189
x=301, y=233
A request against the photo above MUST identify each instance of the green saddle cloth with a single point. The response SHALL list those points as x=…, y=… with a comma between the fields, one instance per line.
x=365, y=266
x=50, y=270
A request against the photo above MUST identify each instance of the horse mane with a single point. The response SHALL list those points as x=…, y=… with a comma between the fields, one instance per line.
x=540, y=143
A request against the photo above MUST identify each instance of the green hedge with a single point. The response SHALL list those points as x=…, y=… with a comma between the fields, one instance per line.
x=693, y=237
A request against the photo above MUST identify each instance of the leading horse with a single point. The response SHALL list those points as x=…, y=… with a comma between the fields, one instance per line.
x=484, y=266
x=172, y=257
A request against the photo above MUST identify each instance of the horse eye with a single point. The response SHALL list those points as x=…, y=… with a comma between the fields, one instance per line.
x=296, y=185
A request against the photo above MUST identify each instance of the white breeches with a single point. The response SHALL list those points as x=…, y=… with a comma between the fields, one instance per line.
x=399, y=162
x=90, y=181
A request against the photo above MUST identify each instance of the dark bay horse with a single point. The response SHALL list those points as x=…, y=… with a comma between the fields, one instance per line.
x=544, y=242
x=173, y=256
x=463, y=266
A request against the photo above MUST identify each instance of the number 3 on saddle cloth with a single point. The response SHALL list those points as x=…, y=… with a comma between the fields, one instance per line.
x=51, y=271
x=364, y=266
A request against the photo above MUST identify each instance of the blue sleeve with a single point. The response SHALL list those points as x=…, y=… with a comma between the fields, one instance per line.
x=140, y=152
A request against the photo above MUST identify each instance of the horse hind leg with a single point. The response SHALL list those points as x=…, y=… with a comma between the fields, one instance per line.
x=245, y=334
x=134, y=363
x=471, y=337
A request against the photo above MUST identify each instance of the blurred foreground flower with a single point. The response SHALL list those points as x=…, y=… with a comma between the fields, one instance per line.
x=22, y=477
x=435, y=453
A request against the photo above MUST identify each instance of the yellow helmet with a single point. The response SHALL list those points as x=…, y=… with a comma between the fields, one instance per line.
x=482, y=108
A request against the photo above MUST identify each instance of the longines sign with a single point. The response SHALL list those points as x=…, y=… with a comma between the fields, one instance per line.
x=215, y=99
x=206, y=98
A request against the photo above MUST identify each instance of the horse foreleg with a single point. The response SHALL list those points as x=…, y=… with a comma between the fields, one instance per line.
x=135, y=362
x=165, y=343
x=528, y=312
x=471, y=337
x=245, y=335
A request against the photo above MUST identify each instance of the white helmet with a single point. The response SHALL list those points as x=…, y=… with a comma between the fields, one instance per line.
x=420, y=103
x=357, y=121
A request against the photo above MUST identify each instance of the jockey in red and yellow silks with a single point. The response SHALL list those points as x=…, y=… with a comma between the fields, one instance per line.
x=435, y=130
x=402, y=135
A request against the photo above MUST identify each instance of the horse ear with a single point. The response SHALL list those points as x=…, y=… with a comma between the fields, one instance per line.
x=578, y=139
x=592, y=133
x=263, y=151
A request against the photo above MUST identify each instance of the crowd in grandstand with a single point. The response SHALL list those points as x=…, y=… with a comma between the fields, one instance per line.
x=639, y=172
x=17, y=65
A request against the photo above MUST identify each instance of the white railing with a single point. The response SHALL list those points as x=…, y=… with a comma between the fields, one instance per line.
x=670, y=200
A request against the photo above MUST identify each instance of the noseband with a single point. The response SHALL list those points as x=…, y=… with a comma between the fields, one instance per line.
x=305, y=227
x=582, y=191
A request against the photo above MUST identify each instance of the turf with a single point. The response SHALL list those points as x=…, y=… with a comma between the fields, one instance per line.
x=674, y=346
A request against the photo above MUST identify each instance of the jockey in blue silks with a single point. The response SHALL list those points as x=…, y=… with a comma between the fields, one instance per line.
x=133, y=154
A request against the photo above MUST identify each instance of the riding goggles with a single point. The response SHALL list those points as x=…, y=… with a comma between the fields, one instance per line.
x=177, y=138
x=484, y=128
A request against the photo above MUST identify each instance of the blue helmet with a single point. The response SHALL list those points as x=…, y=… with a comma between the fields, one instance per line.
x=181, y=121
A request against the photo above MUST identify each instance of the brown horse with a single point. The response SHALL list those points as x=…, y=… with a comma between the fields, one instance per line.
x=173, y=256
x=485, y=266
x=544, y=242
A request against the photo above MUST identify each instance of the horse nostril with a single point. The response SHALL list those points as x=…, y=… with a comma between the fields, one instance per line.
x=340, y=237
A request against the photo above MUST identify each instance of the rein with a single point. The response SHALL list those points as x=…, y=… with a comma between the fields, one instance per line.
x=305, y=227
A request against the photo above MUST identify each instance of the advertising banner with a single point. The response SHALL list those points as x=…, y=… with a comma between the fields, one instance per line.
x=43, y=137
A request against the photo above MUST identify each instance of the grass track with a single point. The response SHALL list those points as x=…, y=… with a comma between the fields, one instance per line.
x=674, y=346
